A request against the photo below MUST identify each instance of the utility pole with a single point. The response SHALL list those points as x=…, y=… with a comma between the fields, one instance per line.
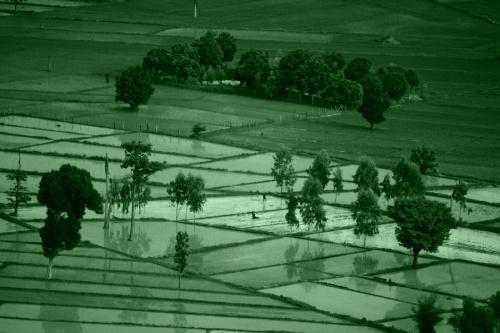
x=107, y=210
x=195, y=14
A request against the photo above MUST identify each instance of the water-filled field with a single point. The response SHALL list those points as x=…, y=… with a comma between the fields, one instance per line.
x=36, y=132
x=487, y=194
x=16, y=141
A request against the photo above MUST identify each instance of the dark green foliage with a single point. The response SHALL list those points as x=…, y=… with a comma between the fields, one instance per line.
x=291, y=71
x=335, y=62
x=282, y=170
x=473, y=319
x=375, y=100
x=459, y=195
x=311, y=208
x=425, y=158
x=210, y=52
x=387, y=188
x=426, y=314
x=357, y=69
x=412, y=78
x=407, y=180
x=18, y=194
x=394, y=84
x=342, y=92
x=186, y=62
x=291, y=217
x=494, y=303
x=197, y=130
x=66, y=193
x=316, y=76
x=195, y=198
x=159, y=62
x=253, y=68
x=366, y=213
x=228, y=45
x=337, y=181
x=134, y=86
x=178, y=191
x=320, y=168
x=421, y=224
x=181, y=252
x=366, y=176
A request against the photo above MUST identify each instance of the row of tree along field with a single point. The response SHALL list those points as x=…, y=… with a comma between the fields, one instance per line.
x=326, y=79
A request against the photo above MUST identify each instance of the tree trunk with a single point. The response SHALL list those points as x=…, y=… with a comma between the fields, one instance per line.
x=16, y=203
x=106, y=204
x=415, y=257
x=132, y=213
x=371, y=126
x=49, y=269
x=179, y=280
x=364, y=240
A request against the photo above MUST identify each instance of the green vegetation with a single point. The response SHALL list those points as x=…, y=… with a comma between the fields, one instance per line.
x=367, y=214
x=366, y=176
x=18, y=193
x=473, y=318
x=134, y=87
x=407, y=180
x=181, y=253
x=425, y=158
x=427, y=315
x=320, y=168
x=282, y=170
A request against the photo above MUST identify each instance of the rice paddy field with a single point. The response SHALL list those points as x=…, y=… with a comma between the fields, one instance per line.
x=244, y=274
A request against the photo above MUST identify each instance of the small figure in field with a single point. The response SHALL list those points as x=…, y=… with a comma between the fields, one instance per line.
x=107, y=78
x=254, y=217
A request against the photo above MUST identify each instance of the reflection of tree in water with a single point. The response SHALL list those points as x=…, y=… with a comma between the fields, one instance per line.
x=197, y=146
x=180, y=321
x=135, y=302
x=401, y=259
x=142, y=137
x=410, y=279
x=195, y=242
x=364, y=263
x=290, y=255
x=66, y=313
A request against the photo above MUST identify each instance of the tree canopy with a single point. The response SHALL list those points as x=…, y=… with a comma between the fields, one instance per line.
x=320, y=168
x=134, y=86
x=227, y=43
x=253, y=68
x=375, y=100
x=407, y=179
x=357, y=69
x=282, y=170
x=366, y=176
x=366, y=213
x=425, y=158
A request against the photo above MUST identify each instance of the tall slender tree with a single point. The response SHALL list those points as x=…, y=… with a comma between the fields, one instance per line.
x=177, y=191
x=366, y=213
x=320, y=168
x=338, y=185
x=292, y=205
x=195, y=196
x=407, y=180
x=459, y=195
x=107, y=196
x=137, y=159
x=282, y=170
x=366, y=176
x=18, y=194
x=181, y=253
x=311, y=208
x=427, y=315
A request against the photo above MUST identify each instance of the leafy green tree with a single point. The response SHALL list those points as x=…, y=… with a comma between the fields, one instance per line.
x=125, y=192
x=375, y=100
x=412, y=78
x=282, y=170
x=311, y=208
x=425, y=158
x=195, y=197
x=337, y=181
x=395, y=85
x=291, y=72
x=137, y=159
x=407, y=179
x=320, y=168
x=181, y=253
x=366, y=213
x=473, y=319
x=291, y=217
x=426, y=314
x=159, y=62
x=357, y=69
x=134, y=86
x=227, y=43
x=421, y=224
x=178, y=191
x=186, y=62
x=317, y=78
x=18, y=194
x=211, y=54
x=459, y=195
x=335, y=61
x=343, y=93
x=387, y=188
x=494, y=303
x=253, y=68
x=366, y=176
x=66, y=193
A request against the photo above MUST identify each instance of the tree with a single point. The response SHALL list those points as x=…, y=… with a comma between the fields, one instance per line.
x=134, y=86
x=407, y=179
x=421, y=224
x=375, y=100
x=186, y=62
x=18, y=194
x=228, y=45
x=66, y=193
x=320, y=168
x=494, y=303
x=282, y=170
x=473, y=319
x=291, y=217
x=459, y=195
x=366, y=176
x=395, y=85
x=311, y=208
x=343, y=93
x=291, y=72
x=137, y=159
x=178, y=191
x=195, y=197
x=317, y=78
x=253, y=68
x=412, y=78
x=181, y=253
x=197, y=130
x=211, y=54
x=337, y=181
x=425, y=158
x=366, y=213
x=426, y=314
x=159, y=62
x=357, y=69
x=335, y=61
x=16, y=3
x=387, y=188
